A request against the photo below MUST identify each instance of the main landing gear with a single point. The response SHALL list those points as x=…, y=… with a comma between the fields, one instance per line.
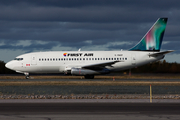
x=27, y=75
x=89, y=76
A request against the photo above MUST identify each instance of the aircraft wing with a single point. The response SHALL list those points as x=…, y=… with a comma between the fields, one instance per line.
x=160, y=53
x=99, y=65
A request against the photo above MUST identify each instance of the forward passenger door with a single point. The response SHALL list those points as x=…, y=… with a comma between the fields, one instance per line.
x=33, y=60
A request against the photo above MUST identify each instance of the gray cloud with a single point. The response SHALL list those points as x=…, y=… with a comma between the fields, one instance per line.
x=86, y=11
x=71, y=23
x=32, y=46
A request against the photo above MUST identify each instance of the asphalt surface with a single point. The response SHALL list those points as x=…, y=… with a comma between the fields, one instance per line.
x=32, y=79
x=81, y=111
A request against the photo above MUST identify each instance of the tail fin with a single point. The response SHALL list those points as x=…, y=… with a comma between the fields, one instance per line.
x=153, y=38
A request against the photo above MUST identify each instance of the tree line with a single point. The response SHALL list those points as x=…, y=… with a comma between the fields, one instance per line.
x=155, y=67
x=158, y=67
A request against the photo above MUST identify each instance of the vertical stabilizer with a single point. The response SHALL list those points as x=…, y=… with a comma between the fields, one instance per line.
x=153, y=38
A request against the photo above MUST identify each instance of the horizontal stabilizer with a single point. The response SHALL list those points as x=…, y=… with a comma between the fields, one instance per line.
x=160, y=53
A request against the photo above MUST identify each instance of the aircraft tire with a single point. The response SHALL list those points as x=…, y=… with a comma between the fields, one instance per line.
x=89, y=76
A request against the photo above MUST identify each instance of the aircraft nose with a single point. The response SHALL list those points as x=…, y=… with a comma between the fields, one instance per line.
x=9, y=65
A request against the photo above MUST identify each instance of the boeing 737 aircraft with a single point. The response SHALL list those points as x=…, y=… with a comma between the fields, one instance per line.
x=90, y=63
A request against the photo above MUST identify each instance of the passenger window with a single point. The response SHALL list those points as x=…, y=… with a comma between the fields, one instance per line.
x=95, y=58
x=83, y=58
x=39, y=59
x=92, y=58
x=59, y=59
x=69, y=58
x=89, y=58
x=74, y=58
x=109, y=58
x=122, y=58
x=77, y=58
x=103, y=58
x=114, y=58
x=117, y=58
x=125, y=58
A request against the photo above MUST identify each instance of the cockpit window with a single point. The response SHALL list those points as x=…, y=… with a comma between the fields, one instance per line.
x=18, y=59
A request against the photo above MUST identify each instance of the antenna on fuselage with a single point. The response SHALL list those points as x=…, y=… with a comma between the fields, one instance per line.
x=79, y=49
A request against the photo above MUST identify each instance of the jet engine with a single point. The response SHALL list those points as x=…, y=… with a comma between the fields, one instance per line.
x=82, y=71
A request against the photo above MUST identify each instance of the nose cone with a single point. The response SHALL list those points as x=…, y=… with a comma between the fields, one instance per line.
x=9, y=65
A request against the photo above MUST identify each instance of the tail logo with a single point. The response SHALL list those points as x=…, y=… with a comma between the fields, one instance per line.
x=153, y=38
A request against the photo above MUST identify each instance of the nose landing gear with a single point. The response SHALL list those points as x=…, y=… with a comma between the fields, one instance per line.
x=27, y=75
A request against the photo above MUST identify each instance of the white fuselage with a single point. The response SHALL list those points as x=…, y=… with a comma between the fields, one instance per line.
x=62, y=61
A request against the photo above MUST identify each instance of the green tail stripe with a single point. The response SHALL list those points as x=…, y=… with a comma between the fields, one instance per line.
x=153, y=39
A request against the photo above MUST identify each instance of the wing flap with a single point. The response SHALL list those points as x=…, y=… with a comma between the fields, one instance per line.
x=100, y=65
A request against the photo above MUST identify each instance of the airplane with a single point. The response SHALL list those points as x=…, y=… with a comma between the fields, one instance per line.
x=91, y=63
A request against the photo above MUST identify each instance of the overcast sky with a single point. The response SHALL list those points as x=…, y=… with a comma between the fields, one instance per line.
x=60, y=25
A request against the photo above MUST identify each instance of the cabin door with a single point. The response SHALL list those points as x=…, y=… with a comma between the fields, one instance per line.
x=33, y=60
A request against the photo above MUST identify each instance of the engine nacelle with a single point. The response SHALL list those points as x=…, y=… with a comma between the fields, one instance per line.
x=81, y=71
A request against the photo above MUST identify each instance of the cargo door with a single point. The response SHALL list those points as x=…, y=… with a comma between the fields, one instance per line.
x=133, y=59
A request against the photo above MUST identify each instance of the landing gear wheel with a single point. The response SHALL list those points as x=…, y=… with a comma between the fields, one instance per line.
x=27, y=75
x=89, y=76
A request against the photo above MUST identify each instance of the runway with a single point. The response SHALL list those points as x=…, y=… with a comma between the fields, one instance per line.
x=81, y=111
x=116, y=79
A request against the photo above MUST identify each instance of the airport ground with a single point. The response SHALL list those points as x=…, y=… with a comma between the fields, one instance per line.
x=104, y=87
x=89, y=111
x=108, y=76
x=165, y=107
